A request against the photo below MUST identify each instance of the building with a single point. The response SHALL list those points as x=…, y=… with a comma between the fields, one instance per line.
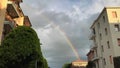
x=105, y=34
x=11, y=16
x=78, y=64
x=90, y=55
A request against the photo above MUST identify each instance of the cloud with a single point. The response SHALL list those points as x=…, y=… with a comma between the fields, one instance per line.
x=73, y=17
x=55, y=48
x=54, y=44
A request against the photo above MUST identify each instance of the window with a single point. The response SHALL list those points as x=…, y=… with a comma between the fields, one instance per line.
x=104, y=61
x=97, y=64
x=93, y=30
x=108, y=44
x=118, y=41
x=98, y=25
x=102, y=48
x=96, y=52
x=103, y=18
x=114, y=14
x=106, y=32
x=100, y=36
x=110, y=57
x=116, y=26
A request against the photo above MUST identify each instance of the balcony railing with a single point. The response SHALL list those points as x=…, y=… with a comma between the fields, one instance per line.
x=16, y=0
x=93, y=46
x=95, y=58
x=14, y=10
x=9, y=23
x=92, y=36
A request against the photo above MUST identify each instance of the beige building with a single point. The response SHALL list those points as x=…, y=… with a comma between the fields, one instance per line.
x=11, y=16
x=106, y=37
x=78, y=64
x=3, y=5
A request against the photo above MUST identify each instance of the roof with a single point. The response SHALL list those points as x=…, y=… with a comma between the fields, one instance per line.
x=79, y=63
x=79, y=60
x=16, y=0
x=98, y=17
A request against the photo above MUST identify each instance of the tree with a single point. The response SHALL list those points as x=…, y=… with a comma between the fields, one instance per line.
x=45, y=64
x=21, y=49
x=67, y=65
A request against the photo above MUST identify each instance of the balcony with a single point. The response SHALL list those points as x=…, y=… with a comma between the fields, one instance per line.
x=93, y=46
x=92, y=36
x=11, y=24
x=16, y=0
x=95, y=58
x=27, y=21
x=14, y=10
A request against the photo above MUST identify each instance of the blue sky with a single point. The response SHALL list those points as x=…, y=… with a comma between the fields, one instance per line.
x=74, y=17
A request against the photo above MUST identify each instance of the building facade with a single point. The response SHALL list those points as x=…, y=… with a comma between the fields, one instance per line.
x=78, y=64
x=11, y=16
x=90, y=55
x=106, y=37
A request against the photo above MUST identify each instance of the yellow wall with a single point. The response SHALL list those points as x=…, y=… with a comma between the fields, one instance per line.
x=114, y=34
x=3, y=5
x=110, y=16
x=79, y=63
x=19, y=21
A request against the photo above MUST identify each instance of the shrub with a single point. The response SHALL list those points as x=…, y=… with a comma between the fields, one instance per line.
x=21, y=49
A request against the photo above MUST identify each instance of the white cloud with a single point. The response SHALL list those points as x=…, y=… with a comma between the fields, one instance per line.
x=111, y=2
x=74, y=18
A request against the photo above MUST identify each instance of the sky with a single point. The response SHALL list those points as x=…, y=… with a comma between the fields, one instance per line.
x=63, y=26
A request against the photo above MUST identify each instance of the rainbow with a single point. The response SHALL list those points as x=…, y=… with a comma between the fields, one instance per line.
x=64, y=35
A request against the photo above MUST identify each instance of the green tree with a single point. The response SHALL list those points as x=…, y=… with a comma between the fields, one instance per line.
x=45, y=65
x=21, y=49
x=67, y=65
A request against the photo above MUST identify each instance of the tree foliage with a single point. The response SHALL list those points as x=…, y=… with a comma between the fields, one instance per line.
x=21, y=49
x=67, y=65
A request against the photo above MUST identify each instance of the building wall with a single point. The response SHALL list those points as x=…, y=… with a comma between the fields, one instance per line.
x=79, y=64
x=115, y=34
x=90, y=55
x=106, y=44
x=106, y=37
x=19, y=21
x=97, y=40
x=6, y=30
x=111, y=19
x=3, y=5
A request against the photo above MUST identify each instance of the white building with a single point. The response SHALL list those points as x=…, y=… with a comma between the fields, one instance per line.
x=106, y=37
